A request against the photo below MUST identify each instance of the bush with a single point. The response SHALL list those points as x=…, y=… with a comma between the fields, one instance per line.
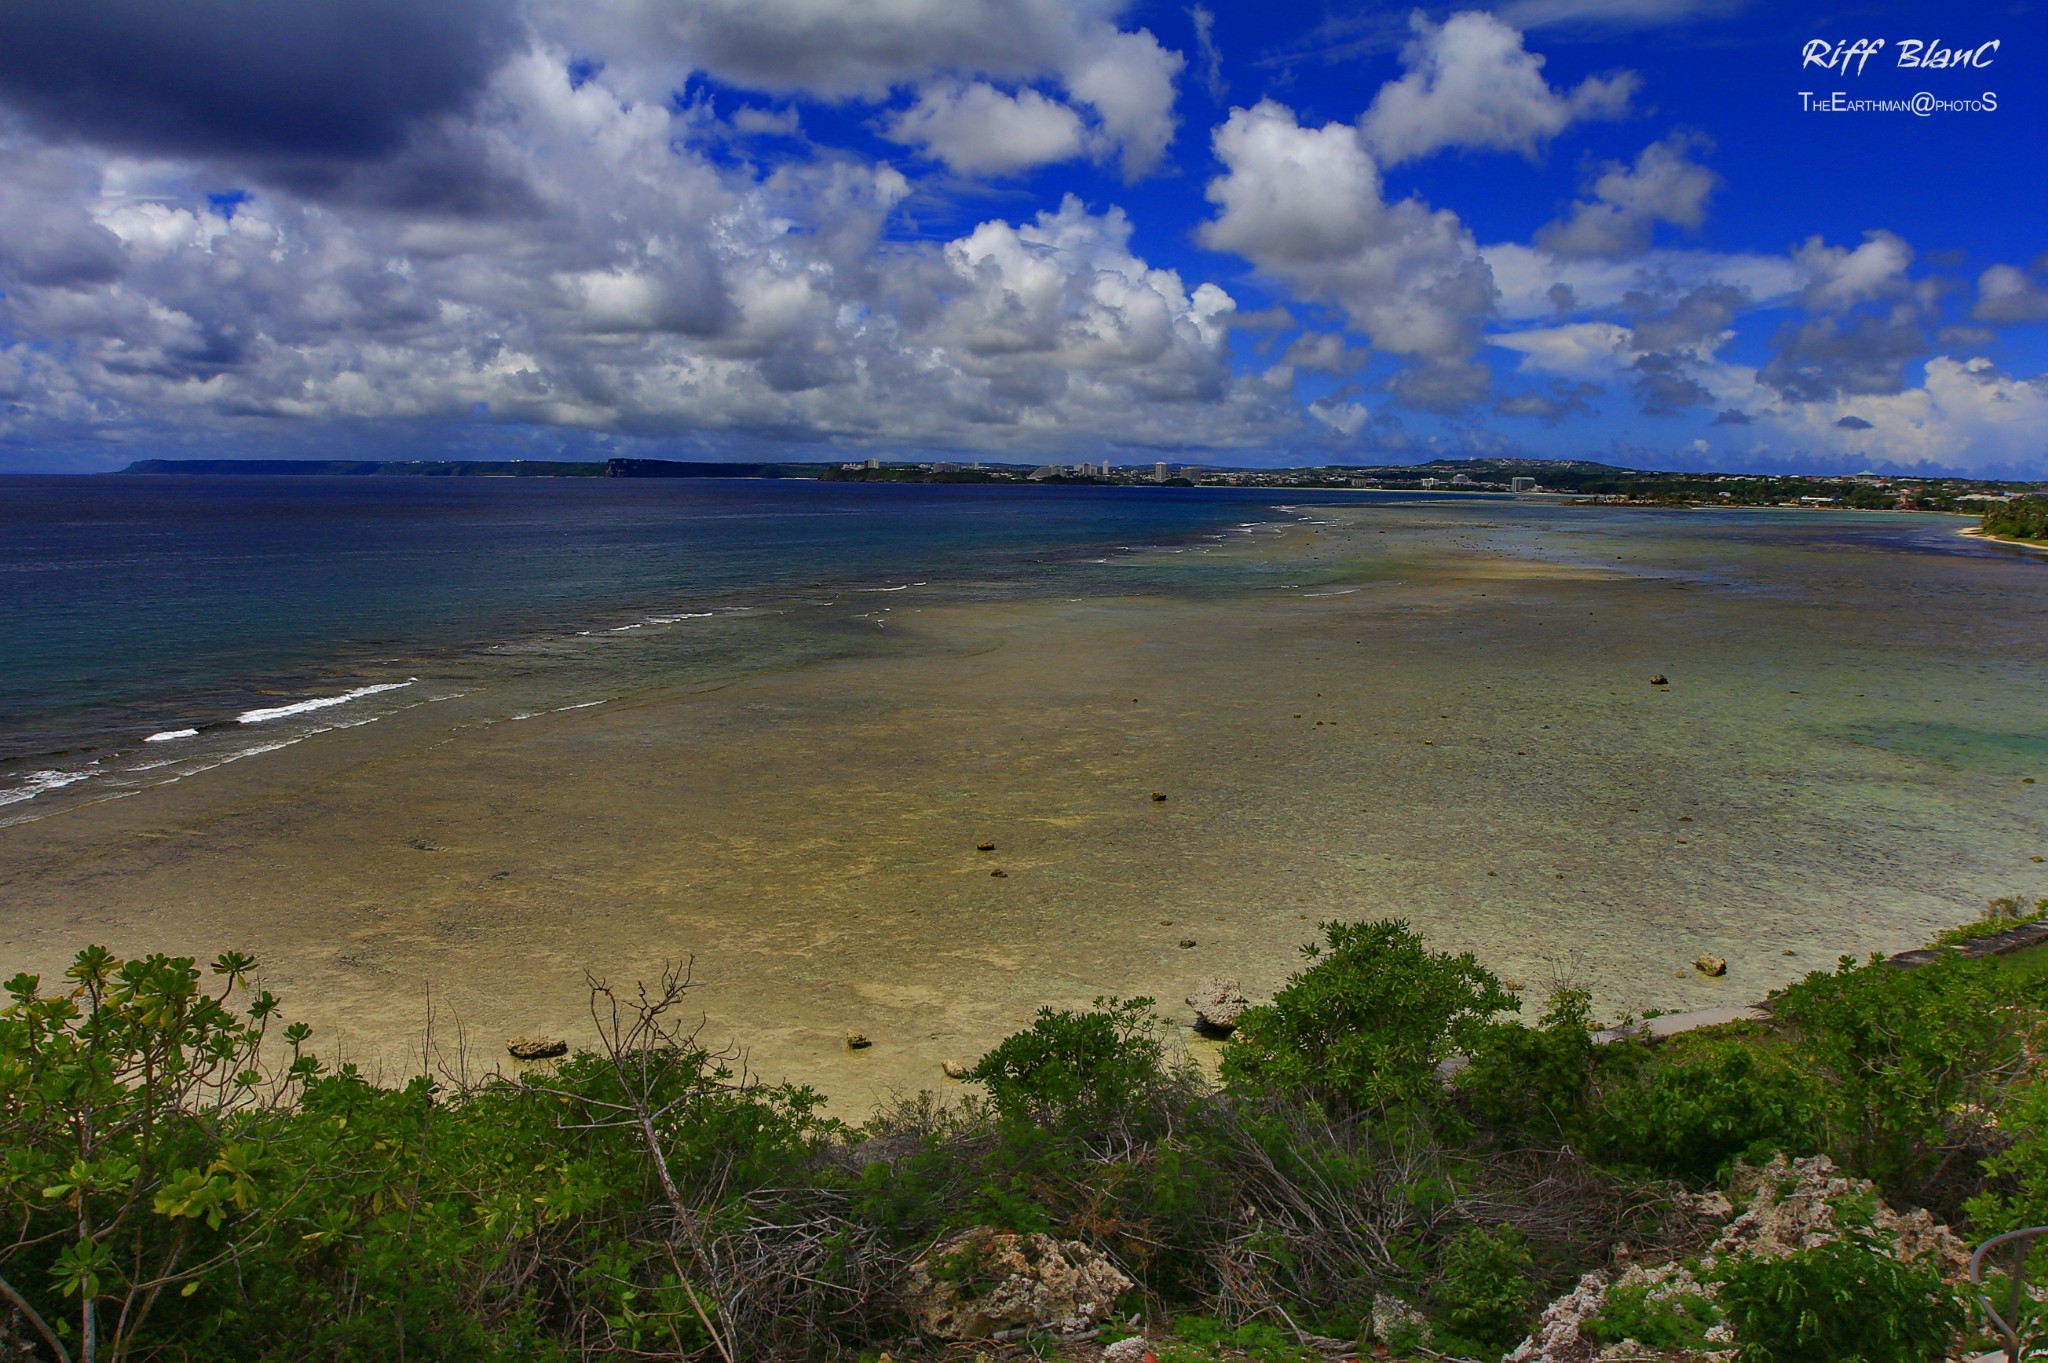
x=1365, y=1027
x=1911, y=1064
x=1845, y=1301
x=1533, y=1081
x=1677, y=1320
x=1692, y=1106
x=1485, y=1291
x=1070, y=1070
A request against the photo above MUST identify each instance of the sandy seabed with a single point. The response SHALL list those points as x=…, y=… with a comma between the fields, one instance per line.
x=1447, y=717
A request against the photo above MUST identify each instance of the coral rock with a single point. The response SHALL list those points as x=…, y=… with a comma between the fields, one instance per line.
x=981, y=1281
x=536, y=1047
x=1218, y=1003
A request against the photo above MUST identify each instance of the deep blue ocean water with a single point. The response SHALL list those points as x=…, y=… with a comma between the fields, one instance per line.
x=154, y=625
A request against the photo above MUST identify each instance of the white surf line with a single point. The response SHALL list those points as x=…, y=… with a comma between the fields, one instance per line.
x=264, y=716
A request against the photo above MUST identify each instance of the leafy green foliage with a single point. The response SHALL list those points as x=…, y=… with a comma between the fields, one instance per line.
x=1999, y=915
x=1845, y=1301
x=2023, y=518
x=1485, y=1291
x=1637, y=1311
x=1534, y=1080
x=1364, y=1027
x=181, y=1180
x=1691, y=1106
x=1911, y=1062
x=1071, y=1068
x=1198, y=1339
x=135, y=1133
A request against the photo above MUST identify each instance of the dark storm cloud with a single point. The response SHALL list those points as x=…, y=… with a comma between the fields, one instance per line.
x=1731, y=417
x=1855, y=423
x=306, y=79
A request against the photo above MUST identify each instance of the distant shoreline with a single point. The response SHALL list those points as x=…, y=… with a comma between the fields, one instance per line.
x=1977, y=533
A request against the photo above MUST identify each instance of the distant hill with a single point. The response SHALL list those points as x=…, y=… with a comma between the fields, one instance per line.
x=424, y=468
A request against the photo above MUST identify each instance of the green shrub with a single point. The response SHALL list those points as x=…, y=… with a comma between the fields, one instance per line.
x=1533, y=1081
x=1691, y=1106
x=1846, y=1301
x=1677, y=1320
x=1910, y=1062
x=1485, y=1292
x=1077, y=1069
x=1199, y=1339
x=2000, y=914
x=1365, y=1026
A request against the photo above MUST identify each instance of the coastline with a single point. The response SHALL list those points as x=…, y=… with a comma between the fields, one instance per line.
x=1976, y=534
x=1439, y=713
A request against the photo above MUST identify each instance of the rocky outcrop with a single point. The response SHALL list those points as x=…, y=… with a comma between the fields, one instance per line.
x=982, y=1281
x=1218, y=1003
x=1790, y=1205
x=536, y=1047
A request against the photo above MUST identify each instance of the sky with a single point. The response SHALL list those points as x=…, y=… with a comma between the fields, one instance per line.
x=1759, y=235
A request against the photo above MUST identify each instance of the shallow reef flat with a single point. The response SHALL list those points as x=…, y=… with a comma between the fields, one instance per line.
x=1438, y=712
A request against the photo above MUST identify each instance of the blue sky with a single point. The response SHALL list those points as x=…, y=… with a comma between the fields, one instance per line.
x=1225, y=233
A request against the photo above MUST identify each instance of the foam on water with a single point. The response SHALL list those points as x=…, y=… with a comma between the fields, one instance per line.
x=264, y=716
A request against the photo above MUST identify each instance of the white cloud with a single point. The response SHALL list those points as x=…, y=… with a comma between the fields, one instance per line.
x=978, y=130
x=1470, y=83
x=646, y=290
x=831, y=49
x=1664, y=185
x=1527, y=277
x=1345, y=418
x=1304, y=205
x=2006, y=293
x=1840, y=278
x=1963, y=415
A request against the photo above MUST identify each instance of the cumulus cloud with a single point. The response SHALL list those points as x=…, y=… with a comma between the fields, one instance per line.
x=1839, y=278
x=1324, y=351
x=1528, y=278
x=1469, y=82
x=833, y=50
x=648, y=287
x=1663, y=387
x=978, y=130
x=1698, y=322
x=1345, y=418
x=1305, y=206
x=1563, y=399
x=1823, y=359
x=2006, y=293
x=1627, y=202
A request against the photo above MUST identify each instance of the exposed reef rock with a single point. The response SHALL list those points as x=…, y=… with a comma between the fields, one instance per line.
x=981, y=1281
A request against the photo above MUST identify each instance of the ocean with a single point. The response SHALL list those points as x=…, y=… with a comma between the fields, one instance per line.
x=160, y=626
x=463, y=745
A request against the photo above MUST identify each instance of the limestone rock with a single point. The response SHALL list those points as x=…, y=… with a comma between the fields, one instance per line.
x=1132, y=1350
x=536, y=1047
x=1792, y=1205
x=1711, y=965
x=953, y=1069
x=857, y=1041
x=1218, y=1003
x=982, y=1280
